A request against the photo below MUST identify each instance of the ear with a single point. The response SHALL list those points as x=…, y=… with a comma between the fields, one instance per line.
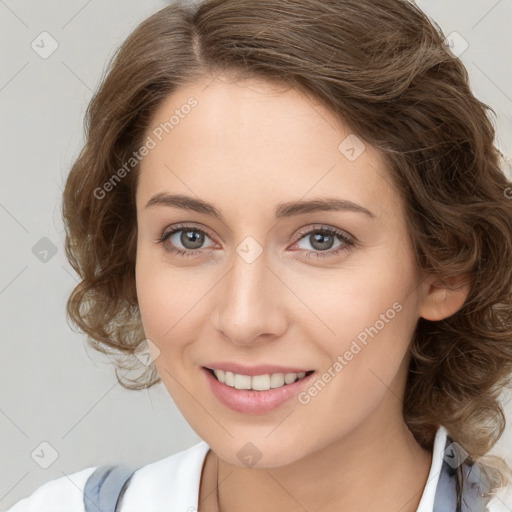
x=442, y=298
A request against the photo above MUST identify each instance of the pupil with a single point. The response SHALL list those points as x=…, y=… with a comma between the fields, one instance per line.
x=192, y=239
x=319, y=241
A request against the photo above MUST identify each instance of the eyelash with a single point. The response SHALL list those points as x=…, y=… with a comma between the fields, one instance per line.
x=347, y=240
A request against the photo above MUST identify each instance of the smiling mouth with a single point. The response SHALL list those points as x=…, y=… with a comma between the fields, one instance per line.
x=257, y=382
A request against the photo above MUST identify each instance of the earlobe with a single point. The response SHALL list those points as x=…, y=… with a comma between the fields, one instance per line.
x=442, y=298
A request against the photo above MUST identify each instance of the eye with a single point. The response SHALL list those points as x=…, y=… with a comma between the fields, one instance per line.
x=322, y=241
x=184, y=240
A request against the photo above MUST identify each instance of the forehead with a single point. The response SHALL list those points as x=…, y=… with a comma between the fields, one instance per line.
x=239, y=142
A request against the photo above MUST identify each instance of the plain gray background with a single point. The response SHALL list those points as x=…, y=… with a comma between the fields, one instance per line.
x=54, y=389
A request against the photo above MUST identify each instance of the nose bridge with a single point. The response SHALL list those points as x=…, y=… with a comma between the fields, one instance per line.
x=249, y=302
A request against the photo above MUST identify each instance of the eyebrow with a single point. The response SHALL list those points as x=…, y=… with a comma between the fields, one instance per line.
x=282, y=210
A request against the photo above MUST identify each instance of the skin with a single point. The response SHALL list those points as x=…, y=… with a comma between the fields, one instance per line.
x=246, y=147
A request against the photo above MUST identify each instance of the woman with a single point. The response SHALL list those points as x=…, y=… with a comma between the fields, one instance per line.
x=298, y=209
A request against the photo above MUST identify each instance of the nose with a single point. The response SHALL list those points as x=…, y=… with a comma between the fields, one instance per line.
x=251, y=303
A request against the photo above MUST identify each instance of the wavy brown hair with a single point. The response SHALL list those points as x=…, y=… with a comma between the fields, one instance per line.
x=382, y=67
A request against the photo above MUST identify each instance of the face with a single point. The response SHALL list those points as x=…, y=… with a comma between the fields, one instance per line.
x=267, y=280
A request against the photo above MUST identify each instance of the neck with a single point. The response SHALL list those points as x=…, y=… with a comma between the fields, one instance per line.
x=377, y=467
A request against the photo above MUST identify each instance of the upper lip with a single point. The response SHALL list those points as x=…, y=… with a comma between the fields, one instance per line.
x=260, y=369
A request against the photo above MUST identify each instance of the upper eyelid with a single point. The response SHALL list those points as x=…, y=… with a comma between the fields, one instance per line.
x=179, y=227
x=327, y=228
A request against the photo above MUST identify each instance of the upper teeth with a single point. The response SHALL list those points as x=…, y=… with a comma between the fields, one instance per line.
x=257, y=382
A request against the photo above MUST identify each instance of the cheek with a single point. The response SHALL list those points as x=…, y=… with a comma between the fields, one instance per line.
x=151, y=300
x=171, y=300
x=161, y=311
x=366, y=314
x=365, y=360
x=155, y=295
x=378, y=309
x=376, y=290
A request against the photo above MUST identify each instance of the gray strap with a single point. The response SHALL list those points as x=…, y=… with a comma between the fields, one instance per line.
x=105, y=488
x=475, y=484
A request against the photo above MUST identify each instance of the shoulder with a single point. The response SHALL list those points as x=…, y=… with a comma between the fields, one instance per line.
x=64, y=494
x=149, y=484
x=501, y=500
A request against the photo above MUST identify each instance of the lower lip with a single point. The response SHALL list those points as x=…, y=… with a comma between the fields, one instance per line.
x=250, y=401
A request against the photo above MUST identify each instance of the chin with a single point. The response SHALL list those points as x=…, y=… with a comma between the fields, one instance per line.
x=259, y=453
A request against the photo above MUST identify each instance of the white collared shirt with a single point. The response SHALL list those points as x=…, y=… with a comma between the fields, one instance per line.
x=172, y=485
